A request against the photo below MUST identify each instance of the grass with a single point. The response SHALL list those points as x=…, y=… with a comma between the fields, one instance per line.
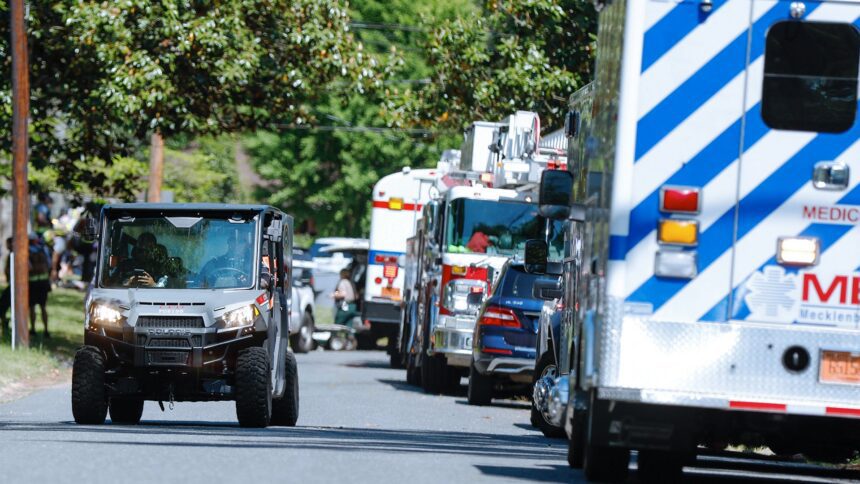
x=45, y=358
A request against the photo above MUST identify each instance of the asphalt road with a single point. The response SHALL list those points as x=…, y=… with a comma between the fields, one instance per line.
x=359, y=422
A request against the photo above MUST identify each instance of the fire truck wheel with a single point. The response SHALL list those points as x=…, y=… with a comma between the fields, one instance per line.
x=605, y=464
x=433, y=373
x=480, y=388
x=126, y=410
x=285, y=410
x=660, y=466
x=413, y=373
x=253, y=388
x=89, y=399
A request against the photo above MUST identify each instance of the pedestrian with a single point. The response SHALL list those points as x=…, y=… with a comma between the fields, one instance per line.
x=6, y=296
x=42, y=214
x=345, y=300
x=40, y=282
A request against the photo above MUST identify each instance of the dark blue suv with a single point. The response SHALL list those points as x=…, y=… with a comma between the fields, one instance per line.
x=503, y=344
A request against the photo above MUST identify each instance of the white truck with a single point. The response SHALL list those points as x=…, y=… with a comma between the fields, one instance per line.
x=716, y=276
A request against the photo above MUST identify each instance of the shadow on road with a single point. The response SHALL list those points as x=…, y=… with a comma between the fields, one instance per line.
x=376, y=365
x=401, y=385
x=222, y=435
x=543, y=473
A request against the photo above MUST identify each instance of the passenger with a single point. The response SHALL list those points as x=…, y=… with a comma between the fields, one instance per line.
x=344, y=300
x=137, y=269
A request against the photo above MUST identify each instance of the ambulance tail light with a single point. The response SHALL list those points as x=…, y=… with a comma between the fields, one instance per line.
x=678, y=232
x=680, y=200
x=798, y=251
x=395, y=203
x=389, y=271
x=676, y=263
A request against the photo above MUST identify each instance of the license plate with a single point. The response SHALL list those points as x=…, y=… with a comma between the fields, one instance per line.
x=840, y=367
x=391, y=292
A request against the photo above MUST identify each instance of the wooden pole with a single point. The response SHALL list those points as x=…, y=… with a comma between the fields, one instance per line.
x=20, y=192
x=156, y=167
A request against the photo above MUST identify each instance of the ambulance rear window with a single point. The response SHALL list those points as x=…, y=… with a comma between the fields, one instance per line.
x=810, y=76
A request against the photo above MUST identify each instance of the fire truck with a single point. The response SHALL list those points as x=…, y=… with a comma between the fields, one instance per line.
x=714, y=286
x=397, y=202
x=483, y=213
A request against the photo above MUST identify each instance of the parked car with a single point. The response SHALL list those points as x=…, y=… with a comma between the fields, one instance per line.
x=303, y=309
x=503, y=342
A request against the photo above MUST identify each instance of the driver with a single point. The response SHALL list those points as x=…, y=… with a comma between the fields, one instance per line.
x=233, y=263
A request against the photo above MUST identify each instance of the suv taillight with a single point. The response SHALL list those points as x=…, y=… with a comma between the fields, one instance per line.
x=499, y=316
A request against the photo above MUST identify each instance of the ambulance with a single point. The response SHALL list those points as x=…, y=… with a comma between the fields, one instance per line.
x=715, y=286
x=396, y=208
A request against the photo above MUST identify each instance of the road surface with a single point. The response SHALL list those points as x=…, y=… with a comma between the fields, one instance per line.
x=359, y=422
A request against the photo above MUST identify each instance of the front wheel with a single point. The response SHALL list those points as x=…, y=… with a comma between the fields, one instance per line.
x=285, y=410
x=89, y=398
x=303, y=341
x=126, y=410
x=480, y=390
x=253, y=388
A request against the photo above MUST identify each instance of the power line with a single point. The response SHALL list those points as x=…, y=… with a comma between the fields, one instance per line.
x=361, y=129
x=383, y=26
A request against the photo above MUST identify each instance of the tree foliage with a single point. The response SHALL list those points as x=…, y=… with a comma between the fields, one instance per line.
x=106, y=74
x=519, y=55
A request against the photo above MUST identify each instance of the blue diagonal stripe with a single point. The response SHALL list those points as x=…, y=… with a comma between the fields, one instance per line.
x=672, y=28
x=757, y=205
x=703, y=85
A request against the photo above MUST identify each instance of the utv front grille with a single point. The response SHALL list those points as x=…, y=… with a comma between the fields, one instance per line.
x=167, y=357
x=168, y=343
x=182, y=322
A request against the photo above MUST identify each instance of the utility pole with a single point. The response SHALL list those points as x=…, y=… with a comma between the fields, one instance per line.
x=20, y=192
x=156, y=167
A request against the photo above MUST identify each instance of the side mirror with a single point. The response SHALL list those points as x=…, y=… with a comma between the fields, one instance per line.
x=547, y=289
x=87, y=229
x=556, y=194
x=571, y=124
x=536, y=255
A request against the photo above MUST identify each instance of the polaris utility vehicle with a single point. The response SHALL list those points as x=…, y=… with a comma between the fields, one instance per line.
x=503, y=342
x=190, y=303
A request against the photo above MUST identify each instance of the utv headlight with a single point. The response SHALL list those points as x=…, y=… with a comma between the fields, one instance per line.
x=237, y=318
x=104, y=315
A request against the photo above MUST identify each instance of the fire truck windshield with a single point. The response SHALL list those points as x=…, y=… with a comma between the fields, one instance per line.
x=497, y=228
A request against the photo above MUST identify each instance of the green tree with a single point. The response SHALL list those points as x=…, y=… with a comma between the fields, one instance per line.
x=326, y=175
x=518, y=55
x=106, y=74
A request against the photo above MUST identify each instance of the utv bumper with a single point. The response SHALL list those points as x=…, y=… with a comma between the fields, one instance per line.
x=204, y=348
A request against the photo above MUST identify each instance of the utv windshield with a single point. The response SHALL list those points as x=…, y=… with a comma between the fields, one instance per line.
x=498, y=228
x=179, y=252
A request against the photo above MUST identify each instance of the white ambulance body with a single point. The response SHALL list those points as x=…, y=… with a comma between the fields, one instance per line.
x=719, y=287
x=397, y=202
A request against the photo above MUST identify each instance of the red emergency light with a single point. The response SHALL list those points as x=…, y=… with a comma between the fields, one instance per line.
x=385, y=259
x=680, y=199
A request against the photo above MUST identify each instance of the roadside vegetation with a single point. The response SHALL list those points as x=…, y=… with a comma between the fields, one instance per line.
x=46, y=360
